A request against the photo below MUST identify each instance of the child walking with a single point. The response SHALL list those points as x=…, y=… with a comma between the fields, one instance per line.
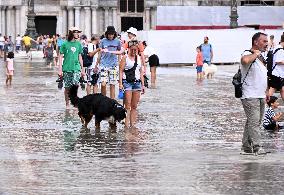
x=199, y=63
x=270, y=121
x=9, y=67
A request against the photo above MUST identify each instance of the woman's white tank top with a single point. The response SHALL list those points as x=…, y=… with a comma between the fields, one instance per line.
x=130, y=63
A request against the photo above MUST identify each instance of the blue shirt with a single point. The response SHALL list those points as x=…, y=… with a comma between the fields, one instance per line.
x=206, y=52
x=60, y=42
x=107, y=59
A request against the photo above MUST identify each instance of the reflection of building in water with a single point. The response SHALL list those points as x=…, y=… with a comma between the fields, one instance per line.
x=93, y=16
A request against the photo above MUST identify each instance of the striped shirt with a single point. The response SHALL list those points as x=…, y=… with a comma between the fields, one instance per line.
x=269, y=114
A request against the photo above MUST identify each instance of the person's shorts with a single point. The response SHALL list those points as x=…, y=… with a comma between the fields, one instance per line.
x=10, y=72
x=154, y=60
x=28, y=48
x=108, y=75
x=89, y=74
x=1, y=47
x=199, y=69
x=275, y=82
x=271, y=126
x=132, y=86
x=207, y=62
x=71, y=78
x=18, y=47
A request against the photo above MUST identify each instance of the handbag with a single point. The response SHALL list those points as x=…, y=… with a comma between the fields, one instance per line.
x=130, y=73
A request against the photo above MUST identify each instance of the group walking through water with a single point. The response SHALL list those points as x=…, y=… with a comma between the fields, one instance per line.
x=103, y=63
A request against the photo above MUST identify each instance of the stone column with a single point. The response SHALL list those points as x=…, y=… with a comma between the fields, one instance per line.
x=23, y=20
x=70, y=17
x=88, y=22
x=8, y=21
x=106, y=17
x=3, y=20
x=77, y=16
x=64, y=21
x=82, y=20
x=147, y=18
x=114, y=17
x=94, y=20
x=18, y=24
x=59, y=22
x=153, y=18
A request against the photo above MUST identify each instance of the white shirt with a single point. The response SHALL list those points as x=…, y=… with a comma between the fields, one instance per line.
x=91, y=48
x=255, y=84
x=18, y=41
x=148, y=51
x=129, y=64
x=2, y=40
x=278, y=57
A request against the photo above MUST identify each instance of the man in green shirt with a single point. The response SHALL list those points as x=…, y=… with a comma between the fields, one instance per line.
x=72, y=66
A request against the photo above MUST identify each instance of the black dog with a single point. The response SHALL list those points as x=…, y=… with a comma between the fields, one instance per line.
x=98, y=105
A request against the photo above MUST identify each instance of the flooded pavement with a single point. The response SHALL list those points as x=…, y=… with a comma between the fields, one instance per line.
x=187, y=141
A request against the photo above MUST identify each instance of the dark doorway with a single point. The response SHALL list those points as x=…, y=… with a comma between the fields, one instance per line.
x=46, y=25
x=127, y=22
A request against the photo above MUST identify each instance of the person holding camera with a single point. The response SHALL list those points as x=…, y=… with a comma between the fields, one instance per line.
x=130, y=80
x=253, y=67
x=72, y=68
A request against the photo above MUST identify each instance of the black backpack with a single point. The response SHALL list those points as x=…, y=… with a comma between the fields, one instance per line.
x=269, y=61
x=87, y=60
x=238, y=81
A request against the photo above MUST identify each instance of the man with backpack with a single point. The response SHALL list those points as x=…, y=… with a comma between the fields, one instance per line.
x=253, y=68
x=275, y=66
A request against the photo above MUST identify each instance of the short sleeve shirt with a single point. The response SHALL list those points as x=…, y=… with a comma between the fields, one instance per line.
x=109, y=60
x=255, y=83
x=71, y=51
x=269, y=114
x=27, y=40
x=206, y=52
x=278, y=57
x=91, y=48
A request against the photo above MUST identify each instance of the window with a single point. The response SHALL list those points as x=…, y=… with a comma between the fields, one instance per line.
x=257, y=3
x=132, y=6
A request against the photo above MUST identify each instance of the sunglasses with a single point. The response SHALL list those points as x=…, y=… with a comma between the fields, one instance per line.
x=132, y=43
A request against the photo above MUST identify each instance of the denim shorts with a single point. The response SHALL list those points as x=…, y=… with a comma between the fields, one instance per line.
x=133, y=86
x=199, y=69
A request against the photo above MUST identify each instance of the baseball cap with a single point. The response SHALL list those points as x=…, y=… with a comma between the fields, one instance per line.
x=74, y=28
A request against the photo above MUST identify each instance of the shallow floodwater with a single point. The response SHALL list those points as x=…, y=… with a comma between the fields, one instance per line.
x=187, y=141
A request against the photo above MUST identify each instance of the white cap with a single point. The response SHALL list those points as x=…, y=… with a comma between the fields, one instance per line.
x=74, y=28
x=132, y=31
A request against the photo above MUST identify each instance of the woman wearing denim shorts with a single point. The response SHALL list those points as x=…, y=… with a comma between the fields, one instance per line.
x=134, y=88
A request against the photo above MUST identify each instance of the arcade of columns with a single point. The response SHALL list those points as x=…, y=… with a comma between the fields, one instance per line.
x=91, y=19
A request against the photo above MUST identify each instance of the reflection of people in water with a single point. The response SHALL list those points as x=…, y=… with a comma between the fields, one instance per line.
x=133, y=140
x=107, y=144
x=70, y=134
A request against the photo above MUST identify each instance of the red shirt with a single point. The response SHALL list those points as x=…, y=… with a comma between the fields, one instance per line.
x=199, y=59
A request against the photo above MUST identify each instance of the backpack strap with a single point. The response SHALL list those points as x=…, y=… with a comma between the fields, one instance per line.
x=249, y=66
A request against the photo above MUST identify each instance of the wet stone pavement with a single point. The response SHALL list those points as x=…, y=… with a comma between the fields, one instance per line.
x=187, y=141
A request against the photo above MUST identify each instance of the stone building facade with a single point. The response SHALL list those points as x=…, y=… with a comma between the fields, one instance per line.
x=92, y=16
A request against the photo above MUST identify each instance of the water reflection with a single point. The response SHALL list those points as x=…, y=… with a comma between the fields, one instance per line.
x=187, y=141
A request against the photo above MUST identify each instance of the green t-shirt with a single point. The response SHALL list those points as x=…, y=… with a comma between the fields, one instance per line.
x=71, y=51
